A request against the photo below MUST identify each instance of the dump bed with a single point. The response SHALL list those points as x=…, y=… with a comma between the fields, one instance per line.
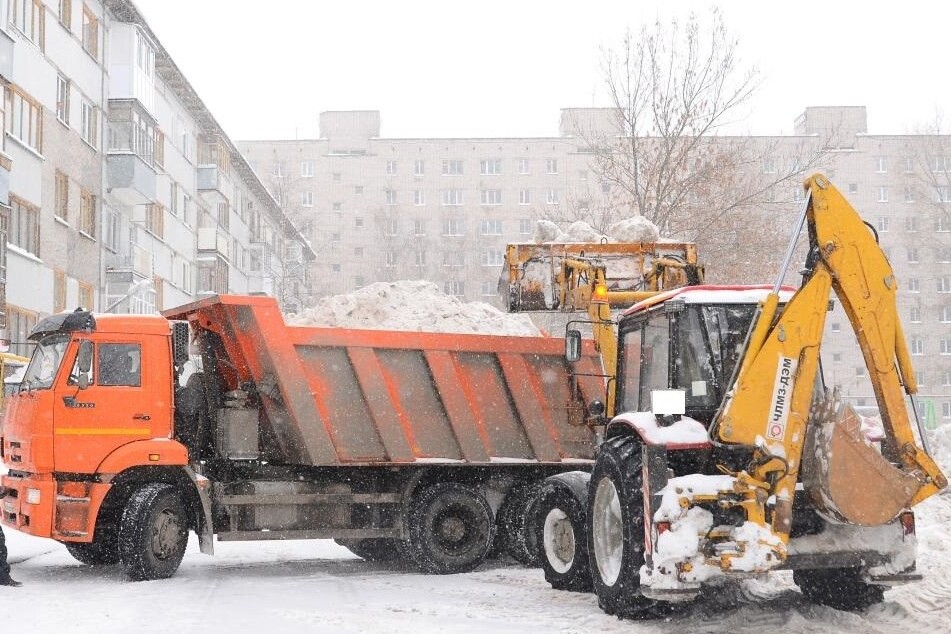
x=332, y=396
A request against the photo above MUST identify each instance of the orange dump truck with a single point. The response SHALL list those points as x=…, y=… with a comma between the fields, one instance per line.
x=129, y=431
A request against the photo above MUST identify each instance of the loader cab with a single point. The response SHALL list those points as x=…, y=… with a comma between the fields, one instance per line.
x=690, y=340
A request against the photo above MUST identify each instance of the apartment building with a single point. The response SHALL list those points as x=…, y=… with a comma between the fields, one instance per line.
x=118, y=189
x=379, y=209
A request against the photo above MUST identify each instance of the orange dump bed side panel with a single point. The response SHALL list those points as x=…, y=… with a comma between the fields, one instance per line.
x=345, y=396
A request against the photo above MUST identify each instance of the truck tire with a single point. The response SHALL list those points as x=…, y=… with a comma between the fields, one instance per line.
x=378, y=549
x=517, y=535
x=560, y=527
x=451, y=528
x=153, y=532
x=839, y=588
x=616, y=529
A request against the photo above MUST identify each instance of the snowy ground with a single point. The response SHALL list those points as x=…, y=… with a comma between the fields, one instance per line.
x=320, y=587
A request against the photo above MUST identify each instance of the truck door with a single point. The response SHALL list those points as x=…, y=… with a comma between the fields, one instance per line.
x=114, y=408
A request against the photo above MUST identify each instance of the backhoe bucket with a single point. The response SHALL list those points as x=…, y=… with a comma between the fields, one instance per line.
x=847, y=477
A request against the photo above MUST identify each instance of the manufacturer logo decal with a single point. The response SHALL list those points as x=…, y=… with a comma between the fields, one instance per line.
x=782, y=397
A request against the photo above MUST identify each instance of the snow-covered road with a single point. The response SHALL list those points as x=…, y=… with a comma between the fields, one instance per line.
x=318, y=586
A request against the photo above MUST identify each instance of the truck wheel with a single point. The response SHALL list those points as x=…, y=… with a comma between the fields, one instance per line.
x=560, y=529
x=451, y=528
x=153, y=533
x=839, y=588
x=514, y=524
x=381, y=549
x=616, y=529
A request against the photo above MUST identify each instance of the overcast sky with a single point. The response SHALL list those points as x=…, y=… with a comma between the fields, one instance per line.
x=456, y=68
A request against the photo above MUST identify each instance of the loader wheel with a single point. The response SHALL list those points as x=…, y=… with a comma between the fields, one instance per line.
x=616, y=530
x=560, y=529
x=839, y=588
x=153, y=533
x=451, y=528
x=517, y=535
x=378, y=549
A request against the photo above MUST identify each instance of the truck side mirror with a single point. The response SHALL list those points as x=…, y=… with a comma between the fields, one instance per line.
x=84, y=363
x=573, y=345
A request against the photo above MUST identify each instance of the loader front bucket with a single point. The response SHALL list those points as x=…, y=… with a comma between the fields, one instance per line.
x=848, y=478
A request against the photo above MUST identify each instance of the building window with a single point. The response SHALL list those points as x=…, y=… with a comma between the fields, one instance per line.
x=914, y=314
x=911, y=223
x=523, y=166
x=87, y=296
x=279, y=170
x=909, y=193
x=837, y=357
x=943, y=194
x=490, y=167
x=454, y=287
x=944, y=284
x=419, y=167
x=62, y=99
x=307, y=199
x=944, y=255
x=946, y=409
x=131, y=128
x=913, y=285
x=419, y=197
x=944, y=315
x=525, y=197
x=880, y=164
x=524, y=226
x=24, y=226
x=420, y=258
x=389, y=196
x=493, y=257
x=916, y=346
x=452, y=167
x=90, y=32
x=491, y=196
x=61, y=196
x=336, y=206
x=883, y=194
x=358, y=222
x=769, y=166
x=491, y=228
x=59, y=291
x=419, y=227
x=391, y=168
x=452, y=197
x=946, y=378
x=452, y=227
x=551, y=166
x=307, y=169
x=883, y=225
x=551, y=197
x=155, y=220
x=87, y=213
x=453, y=258
x=913, y=255
x=358, y=190
x=390, y=226
x=946, y=346
x=358, y=252
x=24, y=118
x=836, y=327
x=90, y=124
x=29, y=18
x=853, y=188
x=66, y=13
x=390, y=259
x=943, y=224
x=335, y=177
x=860, y=370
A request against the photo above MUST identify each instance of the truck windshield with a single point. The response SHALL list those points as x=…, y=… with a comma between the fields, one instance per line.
x=45, y=362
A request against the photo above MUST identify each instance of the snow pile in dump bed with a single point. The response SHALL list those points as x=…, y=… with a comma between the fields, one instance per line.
x=414, y=305
x=633, y=229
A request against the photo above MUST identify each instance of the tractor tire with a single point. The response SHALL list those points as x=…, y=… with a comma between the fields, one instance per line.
x=451, y=528
x=376, y=550
x=153, y=532
x=516, y=534
x=616, y=530
x=839, y=588
x=560, y=527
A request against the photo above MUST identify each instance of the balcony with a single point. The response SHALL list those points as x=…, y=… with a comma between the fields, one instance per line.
x=210, y=241
x=139, y=263
x=6, y=55
x=6, y=166
x=130, y=179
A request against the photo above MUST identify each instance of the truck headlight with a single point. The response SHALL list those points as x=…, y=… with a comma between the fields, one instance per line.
x=32, y=496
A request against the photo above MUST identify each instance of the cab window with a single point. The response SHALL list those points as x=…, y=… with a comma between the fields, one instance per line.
x=119, y=364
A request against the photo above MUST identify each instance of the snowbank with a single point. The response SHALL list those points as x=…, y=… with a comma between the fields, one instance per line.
x=633, y=229
x=413, y=305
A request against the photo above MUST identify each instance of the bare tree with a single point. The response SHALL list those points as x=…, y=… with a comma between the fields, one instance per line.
x=673, y=89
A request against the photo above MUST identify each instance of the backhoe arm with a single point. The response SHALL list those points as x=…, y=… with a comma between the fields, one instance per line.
x=768, y=409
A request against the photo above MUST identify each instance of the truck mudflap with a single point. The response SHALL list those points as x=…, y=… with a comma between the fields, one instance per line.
x=332, y=396
x=206, y=528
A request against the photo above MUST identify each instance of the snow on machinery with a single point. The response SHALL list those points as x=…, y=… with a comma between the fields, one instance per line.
x=724, y=456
